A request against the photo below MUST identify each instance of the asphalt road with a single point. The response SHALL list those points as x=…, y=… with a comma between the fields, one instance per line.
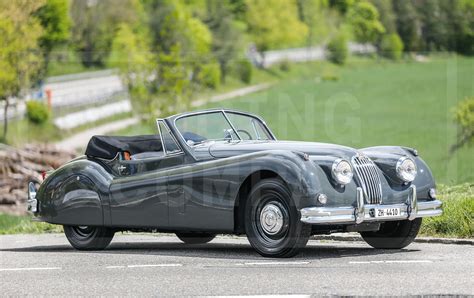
x=137, y=265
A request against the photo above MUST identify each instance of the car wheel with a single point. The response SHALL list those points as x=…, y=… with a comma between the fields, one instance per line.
x=394, y=234
x=272, y=222
x=88, y=238
x=195, y=238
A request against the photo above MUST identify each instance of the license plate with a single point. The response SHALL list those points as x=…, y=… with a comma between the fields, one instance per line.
x=387, y=212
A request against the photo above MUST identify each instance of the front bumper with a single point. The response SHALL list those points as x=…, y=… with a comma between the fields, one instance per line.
x=366, y=212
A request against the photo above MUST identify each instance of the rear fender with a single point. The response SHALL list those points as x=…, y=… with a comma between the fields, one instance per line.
x=75, y=194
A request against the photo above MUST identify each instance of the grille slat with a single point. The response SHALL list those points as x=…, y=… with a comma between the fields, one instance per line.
x=368, y=178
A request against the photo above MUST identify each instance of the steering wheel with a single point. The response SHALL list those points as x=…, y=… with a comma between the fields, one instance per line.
x=245, y=132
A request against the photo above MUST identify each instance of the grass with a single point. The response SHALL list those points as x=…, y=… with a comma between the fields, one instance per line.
x=457, y=220
x=458, y=213
x=13, y=224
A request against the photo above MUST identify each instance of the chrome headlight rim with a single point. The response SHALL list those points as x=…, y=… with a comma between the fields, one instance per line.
x=338, y=174
x=402, y=174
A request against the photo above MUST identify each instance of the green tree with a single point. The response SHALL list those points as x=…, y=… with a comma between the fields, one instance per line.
x=274, y=24
x=95, y=24
x=318, y=18
x=365, y=22
x=338, y=49
x=408, y=24
x=173, y=81
x=459, y=18
x=183, y=44
x=391, y=46
x=54, y=17
x=387, y=15
x=131, y=54
x=342, y=6
x=226, y=34
x=433, y=25
x=20, y=58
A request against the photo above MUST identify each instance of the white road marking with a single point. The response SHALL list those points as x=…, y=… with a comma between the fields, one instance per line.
x=144, y=266
x=266, y=296
x=154, y=265
x=30, y=269
x=391, y=262
x=271, y=263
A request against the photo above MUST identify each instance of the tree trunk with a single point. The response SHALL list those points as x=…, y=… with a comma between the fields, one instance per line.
x=5, y=119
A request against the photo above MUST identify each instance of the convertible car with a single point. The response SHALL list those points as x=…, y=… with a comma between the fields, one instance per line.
x=222, y=171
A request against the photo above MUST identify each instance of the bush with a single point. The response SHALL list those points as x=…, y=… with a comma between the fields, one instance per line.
x=392, y=46
x=330, y=77
x=37, y=112
x=244, y=71
x=210, y=75
x=285, y=66
x=458, y=213
x=338, y=50
x=464, y=118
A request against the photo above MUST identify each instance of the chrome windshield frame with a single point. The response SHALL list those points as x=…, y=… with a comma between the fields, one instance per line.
x=223, y=111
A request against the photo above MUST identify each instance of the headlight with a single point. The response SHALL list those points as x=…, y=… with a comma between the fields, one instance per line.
x=406, y=169
x=342, y=171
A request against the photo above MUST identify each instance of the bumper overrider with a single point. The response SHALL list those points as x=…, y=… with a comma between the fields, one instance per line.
x=363, y=212
x=32, y=202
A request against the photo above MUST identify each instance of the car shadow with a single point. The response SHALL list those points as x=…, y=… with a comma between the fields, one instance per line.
x=218, y=250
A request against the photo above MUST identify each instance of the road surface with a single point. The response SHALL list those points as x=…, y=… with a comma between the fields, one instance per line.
x=145, y=264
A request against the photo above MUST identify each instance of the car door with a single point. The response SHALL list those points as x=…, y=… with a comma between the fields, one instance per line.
x=139, y=196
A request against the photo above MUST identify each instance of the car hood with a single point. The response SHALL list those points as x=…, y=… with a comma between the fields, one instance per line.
x=222, y=150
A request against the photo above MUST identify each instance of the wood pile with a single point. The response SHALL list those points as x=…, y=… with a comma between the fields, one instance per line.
x=20, y=166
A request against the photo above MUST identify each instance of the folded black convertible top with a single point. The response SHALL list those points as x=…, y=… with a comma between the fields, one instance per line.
x=107, y=147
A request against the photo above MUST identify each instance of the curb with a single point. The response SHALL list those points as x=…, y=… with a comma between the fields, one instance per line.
x=350, y=237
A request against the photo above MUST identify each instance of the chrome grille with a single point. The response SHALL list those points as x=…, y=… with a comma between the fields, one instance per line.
x=368, y=178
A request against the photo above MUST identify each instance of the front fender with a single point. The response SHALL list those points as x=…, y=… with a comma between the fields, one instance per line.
x=75, y=194
x=386, y=157
x=304, y=177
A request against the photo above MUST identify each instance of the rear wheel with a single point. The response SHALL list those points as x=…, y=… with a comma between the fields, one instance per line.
x=393, y=234
x=272, y=222
x=88, y=238
x=195, y=238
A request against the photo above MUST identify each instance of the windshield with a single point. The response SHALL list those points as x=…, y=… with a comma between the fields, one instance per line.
x=215, y=126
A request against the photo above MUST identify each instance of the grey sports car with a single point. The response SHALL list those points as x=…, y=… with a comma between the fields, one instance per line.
x=223, y=171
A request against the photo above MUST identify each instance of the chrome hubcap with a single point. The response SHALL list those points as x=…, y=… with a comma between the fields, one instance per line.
x=271, y=219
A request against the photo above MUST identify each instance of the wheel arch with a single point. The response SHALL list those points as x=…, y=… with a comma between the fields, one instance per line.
x=244, y=191
x=75, y=194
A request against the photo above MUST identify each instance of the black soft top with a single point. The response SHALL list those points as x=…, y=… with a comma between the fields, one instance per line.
x=107, y=147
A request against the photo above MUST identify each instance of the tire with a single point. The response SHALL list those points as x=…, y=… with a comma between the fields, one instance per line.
x=272, y=222
x=195, y=238
x=394, y=234
x=88, y=238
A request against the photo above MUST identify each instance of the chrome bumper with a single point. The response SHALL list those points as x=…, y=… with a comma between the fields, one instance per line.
x=366, y=212
x=31, y=202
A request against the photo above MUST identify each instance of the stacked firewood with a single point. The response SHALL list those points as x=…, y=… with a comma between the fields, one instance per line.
x=20, y=166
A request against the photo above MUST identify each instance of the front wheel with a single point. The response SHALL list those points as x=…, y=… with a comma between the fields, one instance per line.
x=272, y=222
x=88, y=238
x=195, y=238
x=393, y=234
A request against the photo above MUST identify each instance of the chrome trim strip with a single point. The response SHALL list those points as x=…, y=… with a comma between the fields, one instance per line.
x=351, y=215
x=217, y=111
x=232, y=126
x=181, y=151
